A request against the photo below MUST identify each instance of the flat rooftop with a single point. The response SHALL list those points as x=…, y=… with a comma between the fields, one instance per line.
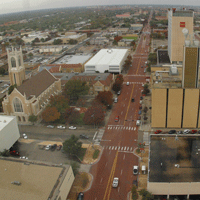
x=5, y=120
x=74, y=59
x=171, y=150
x=108, y=57
x=37, y=181
x=163, y=57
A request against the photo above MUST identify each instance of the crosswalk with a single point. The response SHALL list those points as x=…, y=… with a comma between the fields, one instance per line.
x=110, y=127
x=118, y=148
x=135, y=75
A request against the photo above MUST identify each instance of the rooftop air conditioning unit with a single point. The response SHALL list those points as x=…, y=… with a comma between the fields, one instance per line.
x=187, y=43
x=196, y=43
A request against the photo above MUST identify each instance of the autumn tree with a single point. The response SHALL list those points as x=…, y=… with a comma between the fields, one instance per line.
x=68, y=112
x=120, y=78
x=105, y=97
x=116, y=86
x=94, y=114
x=118, y=38
x=74, y=118
x=60, y=102
x=50, y=114
x=81, y=102
x=75, y=88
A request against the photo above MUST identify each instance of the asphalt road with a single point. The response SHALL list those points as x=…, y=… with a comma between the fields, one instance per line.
x=120, y=138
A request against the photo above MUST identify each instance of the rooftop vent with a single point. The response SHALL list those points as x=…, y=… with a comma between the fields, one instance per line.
x=196, y=43
x=187, y=43
x=109, y=50
x=4, y=121
x=174, y=69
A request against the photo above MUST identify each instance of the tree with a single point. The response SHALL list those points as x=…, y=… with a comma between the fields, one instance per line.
x=152, y=58
x=2, y=71
x=105, y=98
x=146, y=195
x=57, y=41
x=146, y=86
x=134, y=193
x=32, y=118
x=118, y=38
x=50, y=114
x=11, y=88
x=81, y=102
x=116, y=86
x=60, y=102
x=68, y=112
x=94, y=114
x=115, y=42
x=74, y=118
x=75, y=88
x=72, y=146
x=145, y=109
x=75, y=167
x=30, y=54
x=120, y=78
x=42, y=40
x=145, y=91
x=71, y=41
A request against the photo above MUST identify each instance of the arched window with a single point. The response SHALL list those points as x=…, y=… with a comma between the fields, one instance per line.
x=19, y=60
x=19, y=118
x=13, y=62
x=17, y=105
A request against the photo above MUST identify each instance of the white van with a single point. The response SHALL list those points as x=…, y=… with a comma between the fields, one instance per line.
x=138, y=122
x=143, y=169
x=140, y=101
x=115, y=100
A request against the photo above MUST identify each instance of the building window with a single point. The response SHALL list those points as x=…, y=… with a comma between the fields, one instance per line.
x=14, y=79
x=17, y=105
x=19, y=118
x=19, y=60
x=23, y=118
x=13, y=62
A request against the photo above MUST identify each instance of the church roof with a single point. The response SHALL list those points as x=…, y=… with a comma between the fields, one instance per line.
x=37, y=84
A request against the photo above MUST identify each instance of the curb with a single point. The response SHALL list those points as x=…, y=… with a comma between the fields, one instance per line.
x=90, y=183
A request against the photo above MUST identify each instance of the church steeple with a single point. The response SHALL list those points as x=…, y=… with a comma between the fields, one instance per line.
x=16, y=67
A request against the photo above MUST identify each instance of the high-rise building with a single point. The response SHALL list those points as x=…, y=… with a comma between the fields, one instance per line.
x=177, y=20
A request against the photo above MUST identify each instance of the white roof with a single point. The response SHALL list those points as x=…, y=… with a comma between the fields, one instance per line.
x=5, y=120
x=107, y=57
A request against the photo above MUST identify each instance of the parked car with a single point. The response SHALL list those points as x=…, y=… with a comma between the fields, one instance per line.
x=139, y=117
x=138, y=122
x=194, y=131
x=140, y=112
x=80, y=196
x=135, y=169
x=72, y=128
x=141, y=98
x=50, y=126
x=115, y=100
x=180, y=132
x=119, y=92
x=186, y=131
x=140, y=107
x=84, y=136
x=117, y=118
x=25, y=136
x=141, y=66
x=115, y=182
x=61, y=127
x=53, y=147
x=158, y=131
x=172, y=132
x=59, y=147
x=14, y=153
x=198, y=131
x=24, y=157
x=48, y=147
x=127, y=83
x=140, y=101
x=132, y=100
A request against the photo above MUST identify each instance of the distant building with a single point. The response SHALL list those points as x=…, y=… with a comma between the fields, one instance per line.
x=177, y=21
x=125, y=15
x=110, y=60
x=9, y=132
x=99, y=41
x=52, y=49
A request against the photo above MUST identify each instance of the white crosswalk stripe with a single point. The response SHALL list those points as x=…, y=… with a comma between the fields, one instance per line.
x=129, y=128
x=134, y=83
x=118, y=148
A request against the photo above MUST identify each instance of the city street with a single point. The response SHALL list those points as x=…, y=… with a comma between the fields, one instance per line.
x=118, y=159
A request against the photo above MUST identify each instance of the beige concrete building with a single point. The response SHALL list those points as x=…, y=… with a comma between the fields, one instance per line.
x=32, y=95
x=37, y=180
x=177, y=20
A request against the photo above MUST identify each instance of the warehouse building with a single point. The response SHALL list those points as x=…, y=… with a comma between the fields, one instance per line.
x=110, y=60
x=9, y=132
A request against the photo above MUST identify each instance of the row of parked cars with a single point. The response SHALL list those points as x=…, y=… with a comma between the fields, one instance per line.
x=62, y=127
x=186, y=131
x=53, y=147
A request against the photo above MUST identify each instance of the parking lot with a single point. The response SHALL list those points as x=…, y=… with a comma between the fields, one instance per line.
x=34, y=151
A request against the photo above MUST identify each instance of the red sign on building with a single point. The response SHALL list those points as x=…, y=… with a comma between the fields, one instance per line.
x=182, y=24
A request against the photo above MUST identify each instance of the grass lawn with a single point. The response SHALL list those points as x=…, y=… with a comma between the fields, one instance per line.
x=133, y=38
x=96, y=153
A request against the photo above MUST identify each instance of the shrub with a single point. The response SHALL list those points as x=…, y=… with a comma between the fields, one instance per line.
x=96, y=153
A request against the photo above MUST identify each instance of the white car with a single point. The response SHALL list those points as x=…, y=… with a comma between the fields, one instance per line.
x=50, y=126
x=72, y=128
x=48, y=147
x=186, y=131
x=25, y=136
x=127, y=83
x=61, y=127
x=24, y=157
x=115, y=182
x=135, y=169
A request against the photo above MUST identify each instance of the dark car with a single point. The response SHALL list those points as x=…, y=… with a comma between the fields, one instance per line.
x=53, y=147
x=132, y=100
x=84, y=136
x=172, y=132
x=80, y=196
x=141, y=98
x=140, y=107
x=59, y=147
x=139, y=117
x=140, y=112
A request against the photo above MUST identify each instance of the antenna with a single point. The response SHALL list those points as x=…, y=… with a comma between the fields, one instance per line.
x=185, y=32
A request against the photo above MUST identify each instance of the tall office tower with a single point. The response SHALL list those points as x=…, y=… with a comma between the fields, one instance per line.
x=190, y=77
x=177, y=20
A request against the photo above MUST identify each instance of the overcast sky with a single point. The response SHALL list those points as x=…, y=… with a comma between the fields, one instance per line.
x=8, y=6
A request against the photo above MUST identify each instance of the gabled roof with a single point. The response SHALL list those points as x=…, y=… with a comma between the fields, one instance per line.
x=37, y=84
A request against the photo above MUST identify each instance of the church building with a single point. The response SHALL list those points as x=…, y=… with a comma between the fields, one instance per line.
x=31, y=95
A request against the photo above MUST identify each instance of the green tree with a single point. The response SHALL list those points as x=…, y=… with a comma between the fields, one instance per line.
x=152, y=58
x=30, y=54
x=134, y=193
x=75, y=167
x=72, y=146
x=32, y=118
x=71, y=41
x=75, y=88
x=115, y=42
x=146, y=195
x=2, y=71
x=57, y=41
x=42, y=40
x=11, y=88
